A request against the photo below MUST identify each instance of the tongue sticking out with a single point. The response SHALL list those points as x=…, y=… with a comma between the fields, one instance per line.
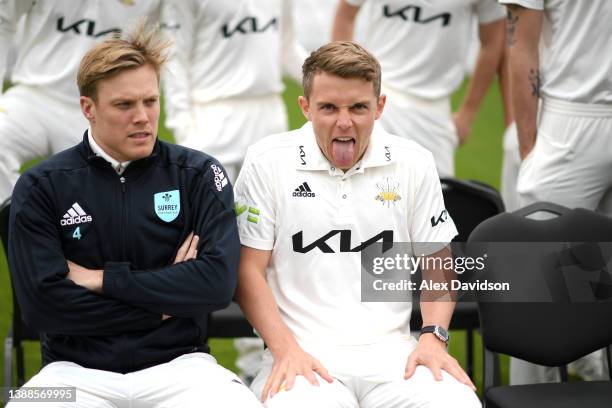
x=342, y=153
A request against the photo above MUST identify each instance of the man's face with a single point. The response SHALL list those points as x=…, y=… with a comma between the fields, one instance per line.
x=124, y=117
x=342, y=112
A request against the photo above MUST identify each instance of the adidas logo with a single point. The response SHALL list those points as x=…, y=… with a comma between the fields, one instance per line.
x=303, y=190
x=75, y=215
x=220, y=179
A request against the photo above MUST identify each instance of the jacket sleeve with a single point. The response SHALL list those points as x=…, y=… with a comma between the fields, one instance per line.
x=195, y=287
x=50, y=303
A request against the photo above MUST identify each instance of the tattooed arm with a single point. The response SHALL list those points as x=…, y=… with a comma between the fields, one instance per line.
x=523, y=36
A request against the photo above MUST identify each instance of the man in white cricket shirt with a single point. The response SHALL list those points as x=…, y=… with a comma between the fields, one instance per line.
x=300, y=288
x=561, y=75
x=40, y=114
x=422, y=47
x=223, y=85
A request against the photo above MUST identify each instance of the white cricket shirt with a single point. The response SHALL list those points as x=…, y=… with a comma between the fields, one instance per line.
x=225, y=49
x=313, y=22
x=57, y=33
x=575, y=49
x=422, y=44
x=288, y=196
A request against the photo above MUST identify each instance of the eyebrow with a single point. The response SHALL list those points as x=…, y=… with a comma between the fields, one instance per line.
x=366, y=102
x=123, y=99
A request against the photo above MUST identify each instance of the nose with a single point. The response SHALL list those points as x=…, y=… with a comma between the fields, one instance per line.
x=344, y=120
x=140, y=114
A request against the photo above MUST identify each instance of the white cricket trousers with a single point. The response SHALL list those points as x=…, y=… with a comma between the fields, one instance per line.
x=570, y=165
x=34, y=124
x=192, y=380
x=429, y=122
x=571, y=162
x=368, y=376
x=510, y=168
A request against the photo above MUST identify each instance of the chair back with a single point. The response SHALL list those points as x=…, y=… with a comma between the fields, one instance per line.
x=556, y=331
x=469, y=203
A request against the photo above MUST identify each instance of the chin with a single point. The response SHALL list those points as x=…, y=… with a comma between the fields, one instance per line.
x=138, y=154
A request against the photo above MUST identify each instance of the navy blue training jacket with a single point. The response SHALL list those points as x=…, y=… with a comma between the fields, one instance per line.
x=75, y=206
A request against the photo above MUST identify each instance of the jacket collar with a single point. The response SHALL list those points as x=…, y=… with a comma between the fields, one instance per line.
x=88, y=153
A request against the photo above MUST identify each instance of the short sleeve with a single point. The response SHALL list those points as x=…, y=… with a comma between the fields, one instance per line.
x=530, y=4
x=430, y=220
x=255, y=206
x=489, y=11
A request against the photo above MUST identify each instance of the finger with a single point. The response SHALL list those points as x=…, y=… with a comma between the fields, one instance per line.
x=435, y=370
x=457, y=371
x=311, y=377
x=289, y=379
x=266, y=389
x=193, y=247
x=410, y=367
x=277, y=381
x=180, y=255
x=322, y=371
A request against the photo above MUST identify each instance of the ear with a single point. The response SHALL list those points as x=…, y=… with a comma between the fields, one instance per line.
x=380, y=105
x=88, y=107
x=305, y=106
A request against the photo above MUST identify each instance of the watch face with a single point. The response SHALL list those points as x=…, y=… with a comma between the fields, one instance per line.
x=441, y=333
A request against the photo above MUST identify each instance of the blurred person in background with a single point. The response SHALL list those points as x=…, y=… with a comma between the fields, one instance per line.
x=224, y=82
x=561, y=85
x=422, y=47
x=223, y=86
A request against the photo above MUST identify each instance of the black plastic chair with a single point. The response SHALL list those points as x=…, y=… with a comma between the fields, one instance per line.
x=18, y=331
x=551, y=326
x=469, y=203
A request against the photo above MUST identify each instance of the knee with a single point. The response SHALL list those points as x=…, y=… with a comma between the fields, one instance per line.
x=454, y=394
x=305, y=395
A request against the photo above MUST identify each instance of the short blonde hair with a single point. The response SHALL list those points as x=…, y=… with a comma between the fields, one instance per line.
x=143, y=46
x=345, y=59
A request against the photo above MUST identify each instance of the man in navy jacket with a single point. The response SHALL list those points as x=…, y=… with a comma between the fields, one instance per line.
x=122, y=245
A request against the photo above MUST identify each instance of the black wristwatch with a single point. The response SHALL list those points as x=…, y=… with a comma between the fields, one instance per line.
x=437, y=331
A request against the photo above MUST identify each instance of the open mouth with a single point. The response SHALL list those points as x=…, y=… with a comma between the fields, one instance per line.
x=343, y=151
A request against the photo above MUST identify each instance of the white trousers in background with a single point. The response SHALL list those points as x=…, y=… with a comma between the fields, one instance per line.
x=427, y=122
x=570, y=165
x=510, y=168
x=34, y=124
x=368, y=376
x=225, y=129
x=192, y=380
x=571, y=162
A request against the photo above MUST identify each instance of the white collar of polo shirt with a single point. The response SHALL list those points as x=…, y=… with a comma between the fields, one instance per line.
x=308, y=155
x=98, y=151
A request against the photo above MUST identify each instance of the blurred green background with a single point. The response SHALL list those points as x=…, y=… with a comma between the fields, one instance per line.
x=479, y=159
